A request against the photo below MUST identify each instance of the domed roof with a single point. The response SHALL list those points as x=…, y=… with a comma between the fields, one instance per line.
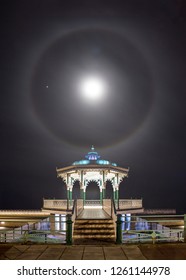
x=92, y=155
x=93, y=158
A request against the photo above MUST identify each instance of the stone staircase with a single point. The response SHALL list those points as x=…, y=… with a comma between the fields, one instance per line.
x=92, y=231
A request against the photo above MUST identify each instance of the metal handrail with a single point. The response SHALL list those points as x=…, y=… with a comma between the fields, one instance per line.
x=29, y=233
x=114, y=206
x=130, y=236
x=74, y=207
x=114, y=214
x=74, y=214
x=154, y=228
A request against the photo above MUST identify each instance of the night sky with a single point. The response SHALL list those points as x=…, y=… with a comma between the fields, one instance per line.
x=136, y=50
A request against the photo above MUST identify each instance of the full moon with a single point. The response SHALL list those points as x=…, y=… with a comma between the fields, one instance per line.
x=93, y=88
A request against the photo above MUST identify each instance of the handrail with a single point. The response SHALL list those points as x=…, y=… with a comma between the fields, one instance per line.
x=74, y=214
x=114, y=206
x=166, y=235
x=74, y=207
x=80, y=206
x=36, y=232
x=155, y=228
x=113, y=214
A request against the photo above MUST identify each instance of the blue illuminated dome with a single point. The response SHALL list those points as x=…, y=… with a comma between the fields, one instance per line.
x=93, y=158
x=92, y=155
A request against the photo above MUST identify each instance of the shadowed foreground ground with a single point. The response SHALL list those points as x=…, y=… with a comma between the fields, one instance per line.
x=176, y=251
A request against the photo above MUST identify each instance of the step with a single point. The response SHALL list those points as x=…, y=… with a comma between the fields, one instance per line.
x=93, y=236
x=93, y=231
x=94, y=225
x=93, y=221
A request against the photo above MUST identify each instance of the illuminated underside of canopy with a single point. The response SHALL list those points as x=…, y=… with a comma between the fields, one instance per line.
x=92, y=168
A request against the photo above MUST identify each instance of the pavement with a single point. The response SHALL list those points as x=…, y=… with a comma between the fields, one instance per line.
x=168, y=251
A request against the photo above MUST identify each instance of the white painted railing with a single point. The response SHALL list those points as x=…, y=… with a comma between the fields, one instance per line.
x=88, y=204
x=130, y=203
x=44, y=231
x=152, y=228
x=61, y=204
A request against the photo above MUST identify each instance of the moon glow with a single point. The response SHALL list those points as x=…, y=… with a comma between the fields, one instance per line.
x=98, y=80
x=92, y=88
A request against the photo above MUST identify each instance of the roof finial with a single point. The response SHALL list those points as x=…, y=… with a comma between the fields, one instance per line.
x=92, y=148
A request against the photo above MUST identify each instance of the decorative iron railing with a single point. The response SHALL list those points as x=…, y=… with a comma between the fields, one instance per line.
x=45, y=231
x=147, y=236
x=58, y=228
x=152, y=228
x=60, y=204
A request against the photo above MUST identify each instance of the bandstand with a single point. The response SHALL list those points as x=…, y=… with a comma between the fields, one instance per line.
x=93, y=168
x=84, y=220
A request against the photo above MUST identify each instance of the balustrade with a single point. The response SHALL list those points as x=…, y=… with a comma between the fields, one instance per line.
x=56, y=204
x=130, y=203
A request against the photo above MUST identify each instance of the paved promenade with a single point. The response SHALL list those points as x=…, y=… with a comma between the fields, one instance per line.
x=94, y=252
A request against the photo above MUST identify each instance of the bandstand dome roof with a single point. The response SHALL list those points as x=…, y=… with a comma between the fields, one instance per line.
x=93, y=158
